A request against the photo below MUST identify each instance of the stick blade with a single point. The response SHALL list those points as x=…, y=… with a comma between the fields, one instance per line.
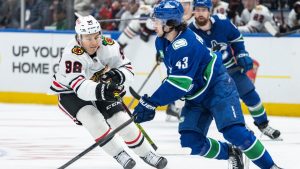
x=134, y=93
x=270, y=28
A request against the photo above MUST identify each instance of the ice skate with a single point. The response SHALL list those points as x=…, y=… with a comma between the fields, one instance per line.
x=155, y=160
x=235, y=158
x=125, y=160
x=267, y=130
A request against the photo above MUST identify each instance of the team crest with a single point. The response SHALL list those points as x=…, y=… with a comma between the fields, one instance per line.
x=77, y=50
x=220, y=47
x=107, y=41
x=179, y=43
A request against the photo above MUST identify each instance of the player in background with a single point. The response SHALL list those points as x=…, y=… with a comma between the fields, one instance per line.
x=199, y=76
x=188, y=10
x=222, y=36
x=219, y=7
x=254, y=16
x=294, y=17
x=92, y=69
x=142, y=27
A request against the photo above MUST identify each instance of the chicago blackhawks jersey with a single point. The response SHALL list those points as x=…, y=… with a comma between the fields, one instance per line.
x=79, y=72
x=254, y=20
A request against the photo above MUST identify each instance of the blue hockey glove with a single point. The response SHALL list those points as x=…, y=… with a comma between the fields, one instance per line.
x=145, y=110
x=244, y=61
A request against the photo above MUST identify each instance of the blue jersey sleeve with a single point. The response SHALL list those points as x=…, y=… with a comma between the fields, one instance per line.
x=182, y=69
x=235, y=38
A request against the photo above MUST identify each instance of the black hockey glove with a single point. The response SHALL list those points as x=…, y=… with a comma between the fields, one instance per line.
x=114, y=76
x=109, y=92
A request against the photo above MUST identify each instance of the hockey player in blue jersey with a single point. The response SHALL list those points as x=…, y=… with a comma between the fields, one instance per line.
x=221, y=35
x=198, y=75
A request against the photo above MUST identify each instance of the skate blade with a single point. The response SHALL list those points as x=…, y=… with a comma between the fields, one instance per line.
x=267, y=138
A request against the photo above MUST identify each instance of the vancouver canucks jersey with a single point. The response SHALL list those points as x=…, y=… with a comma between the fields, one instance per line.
x=223, y=37
x=191, y=68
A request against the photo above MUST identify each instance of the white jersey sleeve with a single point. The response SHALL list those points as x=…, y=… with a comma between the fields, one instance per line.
x=245, y=17
x=292, y=19
x=259, y=15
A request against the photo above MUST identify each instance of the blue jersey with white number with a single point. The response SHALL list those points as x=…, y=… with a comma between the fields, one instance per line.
x=191, y=68
x=223, y=37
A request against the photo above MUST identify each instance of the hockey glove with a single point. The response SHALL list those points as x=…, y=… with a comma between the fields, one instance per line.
x=159, y=59
x=244, y=61
x=109, y=92
x=115, y=76
x=144, y=111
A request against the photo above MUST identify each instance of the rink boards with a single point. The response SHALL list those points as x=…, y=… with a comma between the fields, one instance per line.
x=28, y=60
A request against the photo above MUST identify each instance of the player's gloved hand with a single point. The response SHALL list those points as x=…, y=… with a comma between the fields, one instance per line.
x=158, y=58
x=244, y=61
x=114, y=76
x=145, y=110
x=109, y=91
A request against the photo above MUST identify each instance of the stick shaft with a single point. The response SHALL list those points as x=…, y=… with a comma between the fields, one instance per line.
x=99, y=143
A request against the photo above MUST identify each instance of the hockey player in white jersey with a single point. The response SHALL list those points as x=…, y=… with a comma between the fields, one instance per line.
x=142, y=27
x=219, y=7
x=254, y=16
x=91, y=71
x=294, y=17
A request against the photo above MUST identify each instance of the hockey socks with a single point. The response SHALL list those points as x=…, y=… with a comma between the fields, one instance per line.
x=216, y=149
x=258, y=112
x=259, y=155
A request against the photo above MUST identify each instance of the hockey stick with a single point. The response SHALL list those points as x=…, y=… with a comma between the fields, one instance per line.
x=99, y=143
x=146, y=80
x=134, y=93
x=270, y=28
x=154, y=146
x=120, y=20
x=115, y=20
x=233, y=70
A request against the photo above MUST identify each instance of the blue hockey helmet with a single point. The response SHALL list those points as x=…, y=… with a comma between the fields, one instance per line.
x=203, y=3
x=169, y=10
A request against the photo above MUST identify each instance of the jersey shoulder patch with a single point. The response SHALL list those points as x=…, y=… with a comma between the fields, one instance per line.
x=107, y=41
x=179, y=43
x=77, y=50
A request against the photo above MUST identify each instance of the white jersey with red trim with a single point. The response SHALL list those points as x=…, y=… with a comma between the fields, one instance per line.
x=220, y=8
x=255, y=19
x=76, y=68
x=134, y=27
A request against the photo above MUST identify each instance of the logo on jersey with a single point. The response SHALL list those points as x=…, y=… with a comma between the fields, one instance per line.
x=179, y=43
x=215, y=46
x=77, y=50
x=107, y=41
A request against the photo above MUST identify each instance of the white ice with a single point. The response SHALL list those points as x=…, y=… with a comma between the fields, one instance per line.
x=42, y=137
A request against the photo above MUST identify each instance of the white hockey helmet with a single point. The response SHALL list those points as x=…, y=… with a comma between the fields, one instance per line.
x=87, y=25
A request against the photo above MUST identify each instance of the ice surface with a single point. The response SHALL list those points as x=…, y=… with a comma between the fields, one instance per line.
x=42, y=137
